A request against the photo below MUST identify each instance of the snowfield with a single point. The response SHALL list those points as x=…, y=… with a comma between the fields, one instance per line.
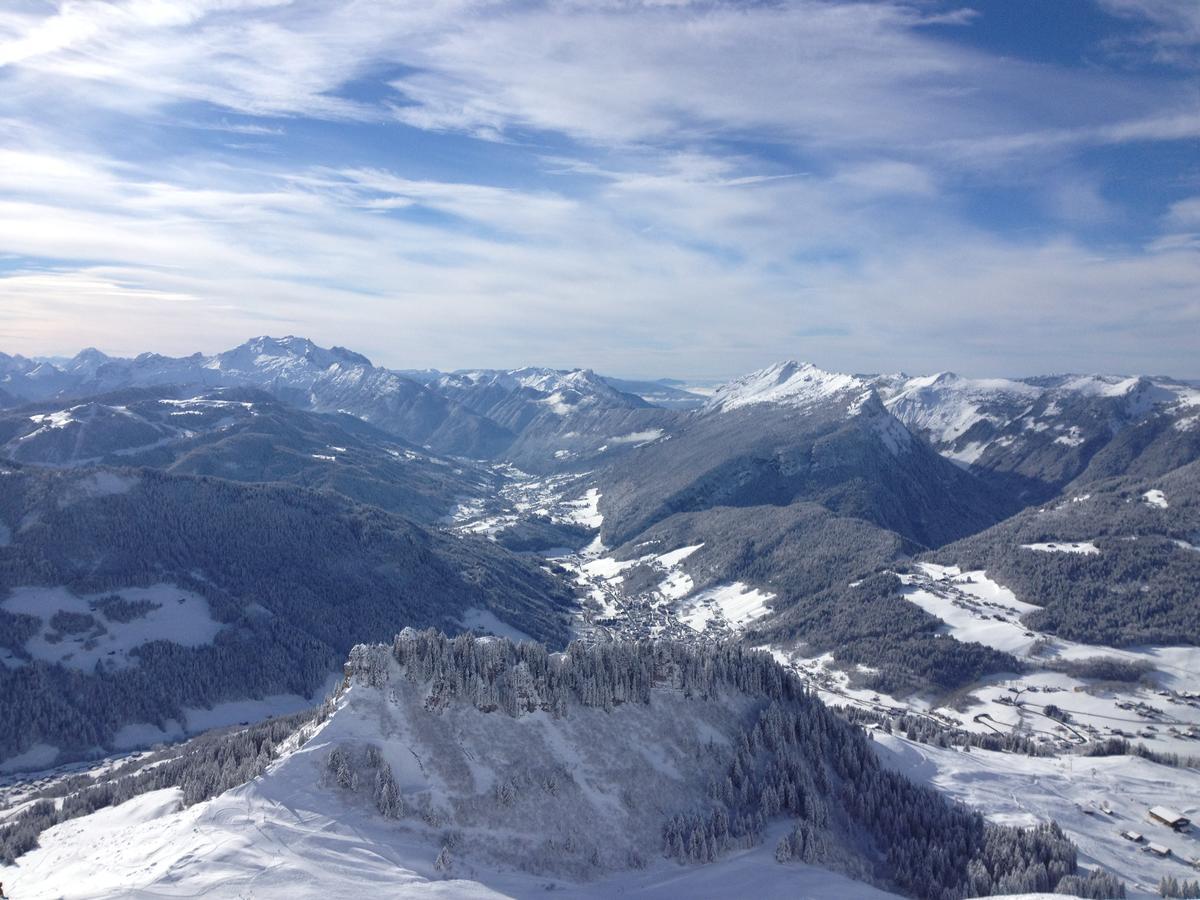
x=1156, y=498
x=791, y=383
x=1162, y=711
x=947, y=405
x=486, y=622
x=289, y=845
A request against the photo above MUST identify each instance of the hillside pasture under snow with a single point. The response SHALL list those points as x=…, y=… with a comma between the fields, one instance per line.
x=176, y=615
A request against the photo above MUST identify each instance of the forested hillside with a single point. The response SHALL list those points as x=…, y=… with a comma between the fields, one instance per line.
x=279, y=581
x=1140, y=583
x=861, y=464
x=774, y=752
x=244, y=434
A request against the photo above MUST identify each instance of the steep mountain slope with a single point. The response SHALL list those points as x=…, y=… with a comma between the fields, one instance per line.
x=562, y=419
x=243, y=434
x=128, y=595
x=958, y=416
x=1116, y=562
x=791, y=551
x=1036, y=436
x=793, y=432
x=474, y=758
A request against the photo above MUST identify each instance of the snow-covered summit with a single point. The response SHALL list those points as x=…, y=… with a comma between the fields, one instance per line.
x=789, y=383
x=86, y=362
x=558, y=391
x=945, y=406
x=285, y=358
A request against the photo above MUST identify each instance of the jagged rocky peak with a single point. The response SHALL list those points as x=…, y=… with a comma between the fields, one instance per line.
x=788, y=383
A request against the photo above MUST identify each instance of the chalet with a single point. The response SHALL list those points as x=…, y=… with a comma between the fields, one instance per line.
x=1132, y=836
x=1169, y=817
x=1158, y=849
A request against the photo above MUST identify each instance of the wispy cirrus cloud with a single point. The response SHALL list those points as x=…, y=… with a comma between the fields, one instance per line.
x=640, y=187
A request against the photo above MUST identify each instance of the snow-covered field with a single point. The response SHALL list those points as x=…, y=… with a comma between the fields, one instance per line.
x=1162, y=710
x=736, y=605
x=289, y=845
x=172, y=614
x=1085, y=547
x=486, y=622
x=1014, y=789
x=1157, y=498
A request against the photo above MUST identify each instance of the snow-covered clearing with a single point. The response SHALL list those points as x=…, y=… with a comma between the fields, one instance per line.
x=1155, y=497
x=966, y=455
x=98, y=484
x=485, y=621
x=1163, y=712
x=638, y=437
x=176, y=615
x=1085, y=547
x=735, y=605
x=973, y=607
x=239, y=712
x=39, y=756
x=585, y=511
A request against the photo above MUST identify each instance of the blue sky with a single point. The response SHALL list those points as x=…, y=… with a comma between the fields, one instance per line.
x=645, y=188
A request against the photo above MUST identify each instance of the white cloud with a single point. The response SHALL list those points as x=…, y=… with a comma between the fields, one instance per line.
x=1185, y=213
x=1171, y=31
x=180, y=268
x=813, y=73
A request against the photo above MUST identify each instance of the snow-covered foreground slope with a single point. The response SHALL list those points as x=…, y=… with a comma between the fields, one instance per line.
x=272, y=843
x=477, y=768
x=604, y=781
